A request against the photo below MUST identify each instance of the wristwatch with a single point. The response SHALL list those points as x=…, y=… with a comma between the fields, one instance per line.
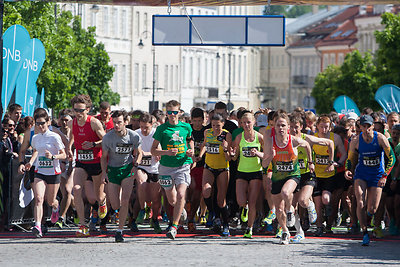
x=135, y=164
x=331, y=162
x=53, y=157
x=94, y=144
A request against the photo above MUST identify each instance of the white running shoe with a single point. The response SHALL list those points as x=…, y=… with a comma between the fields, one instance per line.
x=290, y=219
x=285, y=239
x=312, y=213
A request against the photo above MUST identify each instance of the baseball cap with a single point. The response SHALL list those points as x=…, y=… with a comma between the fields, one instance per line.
x=366, y=119
x=352, y=116
x=262, y=120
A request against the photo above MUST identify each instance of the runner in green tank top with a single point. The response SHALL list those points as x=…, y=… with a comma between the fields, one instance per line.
x=247, y=146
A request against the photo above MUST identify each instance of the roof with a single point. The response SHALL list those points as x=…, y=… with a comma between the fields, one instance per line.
x=346, y=34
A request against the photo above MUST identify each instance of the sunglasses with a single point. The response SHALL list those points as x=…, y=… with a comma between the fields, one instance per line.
x=170, y=112
x=40, y=123
x=79, y=110
x=66, y=120
x=9, y=125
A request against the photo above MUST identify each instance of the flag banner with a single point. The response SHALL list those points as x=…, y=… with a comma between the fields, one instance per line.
x=388, y=96
x=26, y=89
x=344, y=105
x=15, y=41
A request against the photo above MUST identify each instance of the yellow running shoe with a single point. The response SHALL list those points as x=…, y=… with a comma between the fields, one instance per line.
x=378, y=232
x=203, y=220
x=83, y=231
x=103, y=210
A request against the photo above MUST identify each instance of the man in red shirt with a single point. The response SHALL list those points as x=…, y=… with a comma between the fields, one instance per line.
x=86, y=135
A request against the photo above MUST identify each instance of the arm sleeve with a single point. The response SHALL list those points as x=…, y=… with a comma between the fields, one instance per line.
x=391, y=159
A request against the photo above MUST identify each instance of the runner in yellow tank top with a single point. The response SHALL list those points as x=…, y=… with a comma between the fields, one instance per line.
x=325, y=168
x=307, y=181
x=216, y=145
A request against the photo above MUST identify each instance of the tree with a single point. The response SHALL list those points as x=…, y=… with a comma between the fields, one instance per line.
x=75, y=62
x=354, y=78
x=388, y=54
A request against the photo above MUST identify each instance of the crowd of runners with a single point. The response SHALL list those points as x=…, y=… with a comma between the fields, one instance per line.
x=263, y=171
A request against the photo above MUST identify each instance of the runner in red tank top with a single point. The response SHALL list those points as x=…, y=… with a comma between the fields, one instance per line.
x=86, y=134
x=105, y=116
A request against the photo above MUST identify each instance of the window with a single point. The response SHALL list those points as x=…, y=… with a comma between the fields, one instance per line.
x=137, y=26
x=115, y=82
x=136, y=75
x=239, y=70
x=115, y=22
x=124, y=24
x=123, y=76
x=93, y=19
x=144, y=76
x=171, y=78
x=145, y=22
x=244, y=71
x=166, y=78
x=105, y=21
x=205, y=72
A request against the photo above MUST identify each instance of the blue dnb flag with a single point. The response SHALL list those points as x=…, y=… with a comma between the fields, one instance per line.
x=388, y=96
x=344, y=104
x=42, y=104
x=31, y=101
x=15, y=40
x=26, y=82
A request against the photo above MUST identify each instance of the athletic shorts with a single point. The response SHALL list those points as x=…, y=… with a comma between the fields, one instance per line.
x=49, y=179
x=92, y=169
x=324, y=184
x=197, y=176
x=341, y=182
x=170, y=176
x=117, y=174
x=371, y=181
x=151, y=177
x=215, y=172
x=248, y=176
x=308, y=179
x=31, y=174
x=278, y=185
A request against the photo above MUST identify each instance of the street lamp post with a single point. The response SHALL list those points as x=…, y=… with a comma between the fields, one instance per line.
x=152, y=106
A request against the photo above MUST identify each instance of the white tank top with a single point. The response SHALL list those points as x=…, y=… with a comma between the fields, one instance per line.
x=149, y=164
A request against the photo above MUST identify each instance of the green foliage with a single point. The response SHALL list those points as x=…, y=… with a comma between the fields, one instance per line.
x=288, y=11
x=388, y=54
x=354, y=78
x=75, y=62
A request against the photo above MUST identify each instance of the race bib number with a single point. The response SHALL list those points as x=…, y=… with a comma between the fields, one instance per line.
x=284, y=166
x=85, y=155
x=165, y=180
x=45, y=163
x=212, y=148
x=124, y=148
x=146, y=161
x=302, y=164
x=371, y=161
x=246, y=151
x=322, y=160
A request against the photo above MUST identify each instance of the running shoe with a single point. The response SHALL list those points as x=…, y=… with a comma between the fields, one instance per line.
x=248, y=233
x=338, y=221
x=366, y=240
x=103, y=209
x=245, y=215
x=203, y=220
x=37, y=231
x=305, y=223
x=171, y=233
x=60, y=223
x=156, y=226
x=54, y=215
x=271, y=216
x=45, y=229
x=378, y=233
x=183, y=216
x=95, y=216
x=165, y=217
x=92, y=227
x=225, y=231
x=191, y=227
x=319, y=232
x=290, y=220
x=328, y=229
x=140, y=217
x=217, y=226
x=210, y=220
x=234, y=222
x=270, y=228
x=297, y=238
x=284, y=239
x=279, y=232
x=103, y=229
x=118, y=237
x=83, y=231
x=168, y=227
x=312, y=213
